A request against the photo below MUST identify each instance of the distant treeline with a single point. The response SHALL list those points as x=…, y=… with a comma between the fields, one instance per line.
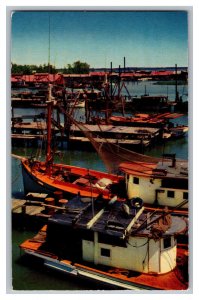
x=77, y=67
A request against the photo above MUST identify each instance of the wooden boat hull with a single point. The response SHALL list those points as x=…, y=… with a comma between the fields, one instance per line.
x=35, y=181
x=117, y=278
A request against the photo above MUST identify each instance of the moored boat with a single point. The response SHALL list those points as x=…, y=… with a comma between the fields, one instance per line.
x=151, y=120
x=114, y=243
x=71, y=180
x=178, y=131
x=47, y=177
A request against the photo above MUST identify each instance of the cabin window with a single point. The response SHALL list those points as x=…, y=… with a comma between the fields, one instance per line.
x=167, y=243
x=105, y=252
x=170, y=194
x=185, y=196
x=135, y=180
x=170, y=183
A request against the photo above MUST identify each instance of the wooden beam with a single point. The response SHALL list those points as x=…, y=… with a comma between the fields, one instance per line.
x=134, y=219
x=100, y=213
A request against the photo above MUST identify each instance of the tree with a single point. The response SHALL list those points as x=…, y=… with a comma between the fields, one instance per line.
x=78, y=67
x=29, y=69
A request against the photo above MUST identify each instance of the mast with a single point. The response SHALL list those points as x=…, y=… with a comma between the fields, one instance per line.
x=49, y=157
x=176, y=84
x=119, y=81
x=124, y=64
x=111, y=80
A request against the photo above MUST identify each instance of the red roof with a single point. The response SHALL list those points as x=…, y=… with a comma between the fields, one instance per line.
x=127, y=74
x=161, y=73
x=38, y=77
x=97, y=73
x=138, y=168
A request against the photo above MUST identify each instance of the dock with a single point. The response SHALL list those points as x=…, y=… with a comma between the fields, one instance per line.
x=34, y=209
x=21, y=102
x=135, y=138
x=34, y=132
x=30, y=213
x=84, y=143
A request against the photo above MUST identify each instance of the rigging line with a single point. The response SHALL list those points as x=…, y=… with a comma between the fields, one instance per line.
x=158, y=218
x=168, y=259
x=127, y=90
x=39, y=126
x=147, y=253
x=104, y=137
x=139, y=245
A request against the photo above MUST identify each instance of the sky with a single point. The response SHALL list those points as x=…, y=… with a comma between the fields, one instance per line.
x=144, y=38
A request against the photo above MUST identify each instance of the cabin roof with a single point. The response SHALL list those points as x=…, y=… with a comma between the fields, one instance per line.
x=114, y=219
x=163, y=168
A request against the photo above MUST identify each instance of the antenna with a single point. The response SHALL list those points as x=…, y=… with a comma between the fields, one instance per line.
x=48, y=43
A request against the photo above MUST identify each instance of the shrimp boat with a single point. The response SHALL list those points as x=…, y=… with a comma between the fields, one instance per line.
x=115, y=243
x=48, y=177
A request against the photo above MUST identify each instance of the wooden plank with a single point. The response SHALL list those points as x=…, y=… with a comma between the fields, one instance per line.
x=37, y=195
x=99, y=214
x=17, y=203
x=33, y=210
x=134, y=219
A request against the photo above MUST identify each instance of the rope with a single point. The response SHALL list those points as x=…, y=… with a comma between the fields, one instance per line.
x=18, y=174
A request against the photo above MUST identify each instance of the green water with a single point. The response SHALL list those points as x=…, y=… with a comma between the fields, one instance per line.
x=28, y=275
x=31, y=276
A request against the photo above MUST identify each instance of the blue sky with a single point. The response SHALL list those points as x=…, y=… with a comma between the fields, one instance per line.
x=146, y=39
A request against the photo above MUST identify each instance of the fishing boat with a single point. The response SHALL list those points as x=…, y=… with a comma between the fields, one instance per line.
x=159, y=120
x=115, y=243
x=151, y=103
x=164, y=182
x=178, y=131
x=48, y=177
x=158, y=181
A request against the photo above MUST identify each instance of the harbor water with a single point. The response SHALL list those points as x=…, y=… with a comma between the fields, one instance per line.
x=28, y=276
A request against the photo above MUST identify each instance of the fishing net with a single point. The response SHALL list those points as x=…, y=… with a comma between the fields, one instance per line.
x=111, y=154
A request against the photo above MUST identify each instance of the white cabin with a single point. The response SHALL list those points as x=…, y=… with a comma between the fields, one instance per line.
x=161, y=184
x=152, y=191
x=141, y=254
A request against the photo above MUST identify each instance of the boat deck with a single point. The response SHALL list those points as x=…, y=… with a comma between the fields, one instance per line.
x=121, y=277
x=118, y=129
